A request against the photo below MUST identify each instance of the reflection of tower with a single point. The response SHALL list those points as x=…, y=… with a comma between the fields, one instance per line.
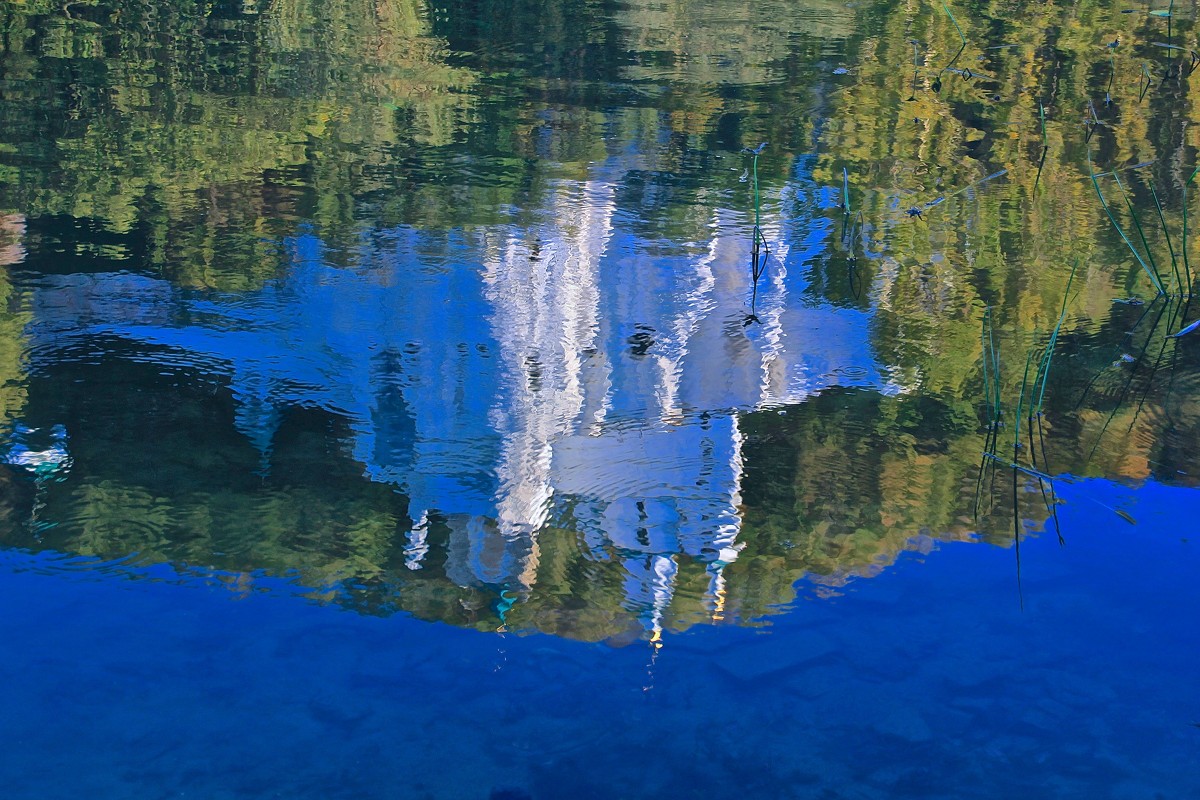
x=545, y=298
x=649, y=588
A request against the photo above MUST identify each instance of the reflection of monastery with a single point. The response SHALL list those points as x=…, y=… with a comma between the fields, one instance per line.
x=566, y=373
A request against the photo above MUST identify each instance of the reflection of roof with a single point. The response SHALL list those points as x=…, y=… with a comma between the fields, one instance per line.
x=516, y=376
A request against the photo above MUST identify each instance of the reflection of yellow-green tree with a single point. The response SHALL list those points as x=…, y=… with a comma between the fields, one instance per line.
x=187, y=123
x=842, y=485
x=909, y=132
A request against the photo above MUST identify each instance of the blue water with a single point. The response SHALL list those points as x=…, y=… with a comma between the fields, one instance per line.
x=927, y=681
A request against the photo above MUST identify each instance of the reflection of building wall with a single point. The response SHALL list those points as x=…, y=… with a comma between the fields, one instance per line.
x=565, y=372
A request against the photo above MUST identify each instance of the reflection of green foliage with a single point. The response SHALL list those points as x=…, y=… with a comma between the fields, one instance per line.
x=1007, y=246
x=168, y=130
x=841, y=485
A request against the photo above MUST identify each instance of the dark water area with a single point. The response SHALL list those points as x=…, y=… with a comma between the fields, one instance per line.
x=594, y=399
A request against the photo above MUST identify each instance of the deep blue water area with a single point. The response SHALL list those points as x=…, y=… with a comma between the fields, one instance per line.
x=926, y=681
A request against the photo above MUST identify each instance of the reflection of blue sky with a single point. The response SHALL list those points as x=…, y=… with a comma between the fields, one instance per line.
x=567, y=372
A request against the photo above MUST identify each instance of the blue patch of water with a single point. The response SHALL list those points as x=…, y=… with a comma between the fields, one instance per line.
x=927, y=681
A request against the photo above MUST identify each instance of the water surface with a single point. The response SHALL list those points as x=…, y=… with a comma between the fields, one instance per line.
x=411, y=400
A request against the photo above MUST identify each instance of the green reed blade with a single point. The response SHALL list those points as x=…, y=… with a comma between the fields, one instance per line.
x=1108, y=211
x=986, y=353
x=1137, y=224
x=950, y=14
x=1187, y=270
x=1020, y=404
x=1044, y=367
x=1166, y=233
x=1045, y=148
x=961, y=36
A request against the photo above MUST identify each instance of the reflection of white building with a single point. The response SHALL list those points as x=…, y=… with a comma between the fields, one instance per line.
x=566, y=372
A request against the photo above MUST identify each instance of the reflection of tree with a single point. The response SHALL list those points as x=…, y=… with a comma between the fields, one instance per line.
x=833, y=488
x=909, y=133
x=839, y=486
x=190, y=124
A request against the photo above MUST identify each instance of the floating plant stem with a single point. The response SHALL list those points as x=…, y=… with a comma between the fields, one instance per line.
x=987, y=386
x=1177, y=311
x=912, y=97
x=1112, y=64
x=855, y=236
x=1132, y=374
x=991, y=392
x=1020, y=405
x=759, y=251
x=1090, y=123
x=1130, y=168
x=1195, y=62
x=916, y=211
x=993, y=352
x=1017, y=535
x=1015, y=470
x=1186, y=330
x=1145, y=313
x=937, y=82
x=1149, y=80
x=1035, y=417
x=1024, y=470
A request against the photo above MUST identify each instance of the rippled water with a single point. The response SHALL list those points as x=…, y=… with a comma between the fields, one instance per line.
x=736, y=336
